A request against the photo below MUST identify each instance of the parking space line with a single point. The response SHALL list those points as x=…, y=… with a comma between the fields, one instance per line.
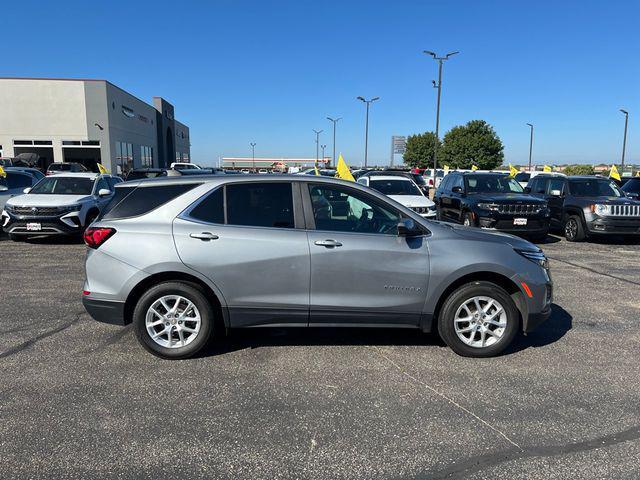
x=594, y=271
x=448, y=399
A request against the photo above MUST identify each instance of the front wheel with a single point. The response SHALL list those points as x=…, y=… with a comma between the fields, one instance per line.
x=467, y=220
x=173, y=320
x=574, y=229
x=478, y=319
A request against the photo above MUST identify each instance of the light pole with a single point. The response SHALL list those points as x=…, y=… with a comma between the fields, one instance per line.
x=438, y=85
x=253, y=155
x=317, y=132
x=624, y=140
x=334, y=121
x=530, y=144
x=366, y=128
x=323, y=147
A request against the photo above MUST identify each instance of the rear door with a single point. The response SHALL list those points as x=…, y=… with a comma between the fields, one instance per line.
x=249, y=240
x=362, y=272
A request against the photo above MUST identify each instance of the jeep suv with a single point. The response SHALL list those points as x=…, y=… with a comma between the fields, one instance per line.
x=187, y=258
x=583, y=206
x=491, y=200
x=62, y=204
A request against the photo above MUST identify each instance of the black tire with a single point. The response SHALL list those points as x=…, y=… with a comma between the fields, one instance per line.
x=574, y=229
x=467, y=220
x=17, y=238
x=457, y=299
x=191, y=293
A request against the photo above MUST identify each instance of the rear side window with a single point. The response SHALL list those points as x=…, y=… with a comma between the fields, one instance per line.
x=539, y=185
x=134, y=201
x=211, y=209
x=260, y=205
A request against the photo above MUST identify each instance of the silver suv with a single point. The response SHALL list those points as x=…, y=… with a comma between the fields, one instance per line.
x=185, y=259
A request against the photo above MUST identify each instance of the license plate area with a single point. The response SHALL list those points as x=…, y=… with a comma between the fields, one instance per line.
x=520, y=221
x=34, y=227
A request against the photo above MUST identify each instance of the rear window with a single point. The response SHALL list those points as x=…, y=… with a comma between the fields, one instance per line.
x=134, y=201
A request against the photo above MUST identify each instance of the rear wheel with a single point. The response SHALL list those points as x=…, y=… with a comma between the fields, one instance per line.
x=173, y=320
x=478, y=320
x=574, y=229
x=467, y=220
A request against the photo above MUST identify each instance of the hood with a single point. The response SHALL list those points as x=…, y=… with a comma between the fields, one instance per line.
x=505, y=198
x=611, y=200
x=412, y=200
x=45, y=200
x=478, y=234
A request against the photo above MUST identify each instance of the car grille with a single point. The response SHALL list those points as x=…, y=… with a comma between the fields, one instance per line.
x=420, y=209
x=625, y=210
x=519, y=209
x=37, y=211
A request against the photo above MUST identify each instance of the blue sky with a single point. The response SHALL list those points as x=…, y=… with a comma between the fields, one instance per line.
x=270, y=72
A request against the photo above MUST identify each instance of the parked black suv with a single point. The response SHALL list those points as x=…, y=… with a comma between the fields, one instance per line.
x=632, y=188
x=491, y=200
x=587, y=205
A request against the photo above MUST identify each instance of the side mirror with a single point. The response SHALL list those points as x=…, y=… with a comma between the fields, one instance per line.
x=527, y=189
x=26, y=190
x=457, y=189
x=3, y=188
x=556, y=193
x=408, y=228
x=363, y=181
x=104, y=192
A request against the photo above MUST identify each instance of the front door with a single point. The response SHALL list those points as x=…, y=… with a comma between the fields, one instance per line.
x=362, y=272
x=252, y=251
x=554, y=195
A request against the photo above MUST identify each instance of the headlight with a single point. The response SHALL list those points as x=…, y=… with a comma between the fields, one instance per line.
x=536, y=256
x=601, y=209
x=71, y=208
x=488, y=206
x=432, y=207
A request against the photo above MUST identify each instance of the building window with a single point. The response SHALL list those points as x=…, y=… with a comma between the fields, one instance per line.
x=146, y=156
x=68, y=143
x=185, y=157
x=124, y=157
x=23, y=142
x=42, y=142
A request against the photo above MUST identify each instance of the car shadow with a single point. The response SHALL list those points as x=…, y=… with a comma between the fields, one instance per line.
x=55, y=240
x=250, y=338
x=549, y=239
x=549, y=332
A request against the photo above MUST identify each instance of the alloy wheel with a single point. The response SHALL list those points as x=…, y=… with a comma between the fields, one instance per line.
x=173, y=321
x=480, y=321
x=571, y=229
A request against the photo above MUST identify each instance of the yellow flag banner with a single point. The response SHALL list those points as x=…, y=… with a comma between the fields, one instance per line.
x=473, y=168
x=342, y=170
x=613, y=173
x=547, y=168
x=101, y=168
x=316, y=171
x=2, y=172
x=446, y=169
x=513, y=171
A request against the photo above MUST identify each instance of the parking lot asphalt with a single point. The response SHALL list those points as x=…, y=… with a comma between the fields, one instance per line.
x=80, y=399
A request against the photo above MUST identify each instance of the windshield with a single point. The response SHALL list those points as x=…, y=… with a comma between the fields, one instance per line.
x=419, y=179
x=593, y=187
x=64, y=186
x=395, y=187
x=492, y=184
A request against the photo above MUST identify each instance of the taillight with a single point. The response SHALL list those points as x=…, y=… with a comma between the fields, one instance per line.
x=94, y=237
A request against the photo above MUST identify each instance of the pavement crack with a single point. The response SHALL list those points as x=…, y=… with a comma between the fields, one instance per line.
x=448, y=399
x=474, y=464
x=32, y=341
x=589, y=269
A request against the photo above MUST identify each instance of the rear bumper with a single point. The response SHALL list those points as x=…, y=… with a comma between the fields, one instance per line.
x=105, y=311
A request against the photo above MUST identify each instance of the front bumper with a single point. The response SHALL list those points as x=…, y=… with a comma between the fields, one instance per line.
x=614, y=225
x=67, y=224
x=536, y=224
x=105, y=311
x=534, y=320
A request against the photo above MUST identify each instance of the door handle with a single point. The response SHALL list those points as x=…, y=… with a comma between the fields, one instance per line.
x=205, y=236
x=328, y=243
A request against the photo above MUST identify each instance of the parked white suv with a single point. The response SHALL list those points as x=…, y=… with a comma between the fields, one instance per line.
x=404, y=191
x=185, y=166
x=62, y=204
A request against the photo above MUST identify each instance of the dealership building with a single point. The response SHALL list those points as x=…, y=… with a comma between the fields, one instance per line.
x=88, y=122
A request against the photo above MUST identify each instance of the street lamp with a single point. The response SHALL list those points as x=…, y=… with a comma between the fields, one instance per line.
x=624, y=140
x=323, y=147
x=317, y=132
x=530, y=144
x=366, y=128
x=253, y=155
x=438, y=86
x=334, y=121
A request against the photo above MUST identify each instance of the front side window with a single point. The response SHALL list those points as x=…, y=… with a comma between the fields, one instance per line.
x=593, y=187
x=260, y=205
x=58, y=185
x=492, y=184
x=395, y=187
x=556, y=184
x=102, y=184
x=344, y=210
x=632, y=186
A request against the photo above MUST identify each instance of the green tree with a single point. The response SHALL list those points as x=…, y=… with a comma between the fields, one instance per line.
x=475, y=143
x=419, y=150
x=579, y=170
